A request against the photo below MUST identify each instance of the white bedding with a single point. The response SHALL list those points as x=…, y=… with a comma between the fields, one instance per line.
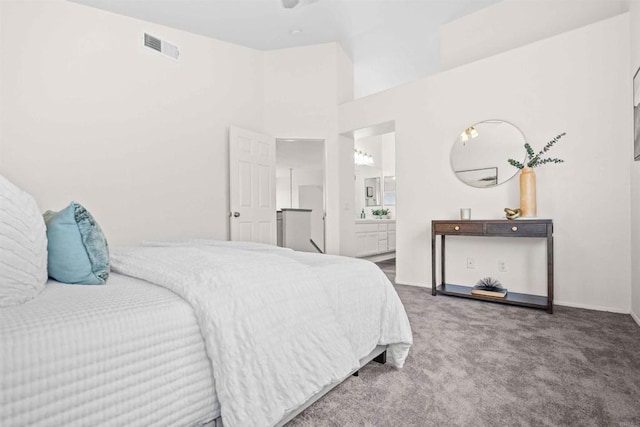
x=278, y=325
x=132, y=353
x=127, y=353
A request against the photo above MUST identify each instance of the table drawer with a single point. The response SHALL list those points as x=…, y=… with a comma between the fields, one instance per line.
x=518, y=228
x=458, y=227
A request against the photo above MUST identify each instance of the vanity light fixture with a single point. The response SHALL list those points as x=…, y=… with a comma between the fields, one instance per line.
x=361, y=158
x=469, y=133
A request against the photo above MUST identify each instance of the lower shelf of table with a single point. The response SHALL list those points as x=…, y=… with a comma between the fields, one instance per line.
x=513, y=298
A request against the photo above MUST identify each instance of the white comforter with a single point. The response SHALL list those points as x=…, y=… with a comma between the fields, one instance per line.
x=125, y=354
x=278, y=325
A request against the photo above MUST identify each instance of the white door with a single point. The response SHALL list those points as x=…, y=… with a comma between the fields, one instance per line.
x=252, y=186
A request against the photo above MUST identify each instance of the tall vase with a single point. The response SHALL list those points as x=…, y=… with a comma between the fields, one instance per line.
x=528, y=193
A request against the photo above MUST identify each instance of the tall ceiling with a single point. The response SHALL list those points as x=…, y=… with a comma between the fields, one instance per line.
x=390, y=41
x=299, y=154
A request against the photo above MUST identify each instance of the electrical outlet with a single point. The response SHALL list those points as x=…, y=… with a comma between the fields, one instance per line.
x=471, y=263
x=502, y=266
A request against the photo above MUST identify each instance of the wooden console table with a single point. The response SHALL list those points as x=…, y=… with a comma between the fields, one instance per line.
x=542, y=228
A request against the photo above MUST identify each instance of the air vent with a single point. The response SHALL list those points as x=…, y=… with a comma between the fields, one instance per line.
x=152, y=42
x=161, y=46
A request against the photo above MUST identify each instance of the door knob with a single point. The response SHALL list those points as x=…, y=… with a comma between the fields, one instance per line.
x=236, y=214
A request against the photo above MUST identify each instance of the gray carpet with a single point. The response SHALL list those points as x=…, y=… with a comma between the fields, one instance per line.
x=486, y=364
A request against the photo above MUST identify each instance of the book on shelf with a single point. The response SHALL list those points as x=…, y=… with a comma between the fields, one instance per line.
x=488, y=291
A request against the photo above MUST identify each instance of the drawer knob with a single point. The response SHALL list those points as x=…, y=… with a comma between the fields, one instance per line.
x=457, y=228
x=514, y=228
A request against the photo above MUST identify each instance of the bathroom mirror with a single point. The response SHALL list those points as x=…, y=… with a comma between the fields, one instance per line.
x=389, y=192
x=480, y=152
x=372, y=191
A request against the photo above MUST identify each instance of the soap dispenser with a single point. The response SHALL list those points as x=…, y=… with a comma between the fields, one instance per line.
x=362, y=214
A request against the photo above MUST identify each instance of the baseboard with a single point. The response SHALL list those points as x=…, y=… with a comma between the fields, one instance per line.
x=636, y=318
x=591, y=307
x=399, y=281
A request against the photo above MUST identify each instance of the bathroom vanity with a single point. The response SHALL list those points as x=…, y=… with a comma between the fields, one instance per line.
x=375, y=236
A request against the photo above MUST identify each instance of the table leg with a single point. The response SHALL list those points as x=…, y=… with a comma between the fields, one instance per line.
x=433, y=262
x=550, y=269
x=442, y=259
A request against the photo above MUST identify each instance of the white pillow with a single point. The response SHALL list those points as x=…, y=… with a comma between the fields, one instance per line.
x=23, y=246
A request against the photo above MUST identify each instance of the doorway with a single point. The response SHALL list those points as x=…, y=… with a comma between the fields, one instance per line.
x=375, y=176
x=375, y=197
x=300, y=190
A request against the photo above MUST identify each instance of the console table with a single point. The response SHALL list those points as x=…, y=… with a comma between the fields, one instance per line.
x=541, y=228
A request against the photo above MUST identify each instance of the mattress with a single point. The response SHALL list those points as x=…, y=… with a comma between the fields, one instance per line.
x=128, y=353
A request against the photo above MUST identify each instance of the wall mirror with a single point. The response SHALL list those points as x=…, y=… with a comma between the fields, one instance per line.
x=480, y=152
x=389, y=198
x=372, y=191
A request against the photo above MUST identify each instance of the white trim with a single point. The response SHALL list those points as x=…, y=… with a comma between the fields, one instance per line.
x=636, y=318
x=591, y=307
x=399, y=281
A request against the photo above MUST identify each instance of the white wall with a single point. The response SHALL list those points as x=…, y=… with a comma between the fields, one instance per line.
x=634, y=12
x=141, y=139
x=89, y=114
x=482, y=34
x=389, y=154
x=302, y=88
x=300, y=178
x=345, y=79
x=576, y=82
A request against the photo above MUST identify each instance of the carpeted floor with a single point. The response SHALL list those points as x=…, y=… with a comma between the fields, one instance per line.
x=485, y=364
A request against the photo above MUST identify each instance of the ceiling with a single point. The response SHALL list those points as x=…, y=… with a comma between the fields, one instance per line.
x=390, y=41
x=299, y=154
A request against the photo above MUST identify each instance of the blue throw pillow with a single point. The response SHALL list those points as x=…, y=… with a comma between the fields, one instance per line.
x=78, y=250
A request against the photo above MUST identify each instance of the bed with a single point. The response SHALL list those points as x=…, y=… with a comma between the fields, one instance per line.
x=196, y=332
x=129, y=353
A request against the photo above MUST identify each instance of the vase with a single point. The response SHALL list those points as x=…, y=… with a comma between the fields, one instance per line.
x=528, y=193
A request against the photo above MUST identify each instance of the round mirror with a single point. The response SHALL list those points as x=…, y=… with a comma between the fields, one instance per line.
x=479, y=155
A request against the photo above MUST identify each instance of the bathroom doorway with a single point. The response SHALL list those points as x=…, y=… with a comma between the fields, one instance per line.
x=375, y=176
x=375, y=196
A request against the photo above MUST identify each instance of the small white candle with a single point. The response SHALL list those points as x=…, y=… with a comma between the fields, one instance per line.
x=465, y=213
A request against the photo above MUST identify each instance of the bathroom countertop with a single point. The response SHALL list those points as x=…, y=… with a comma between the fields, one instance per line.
x=373, y=221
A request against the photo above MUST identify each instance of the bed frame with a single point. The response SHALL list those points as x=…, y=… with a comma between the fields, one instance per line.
x=379, y=354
